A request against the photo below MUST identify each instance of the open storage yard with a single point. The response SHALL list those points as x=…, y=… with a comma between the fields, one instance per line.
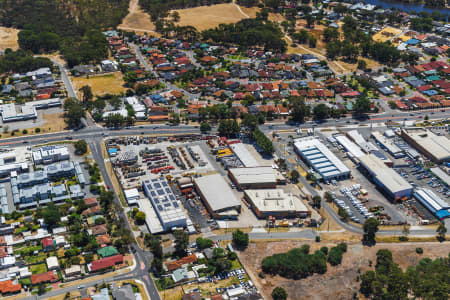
x=339, y=282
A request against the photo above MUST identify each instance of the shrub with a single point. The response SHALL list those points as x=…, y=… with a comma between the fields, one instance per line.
x=318, y=238
x=324, y=250
x=24, y=131
x=37, y=130
x=419, y=250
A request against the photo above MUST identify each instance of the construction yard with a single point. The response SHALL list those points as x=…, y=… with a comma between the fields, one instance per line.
x=339, y=282
x=8, y=38
x=111, y=83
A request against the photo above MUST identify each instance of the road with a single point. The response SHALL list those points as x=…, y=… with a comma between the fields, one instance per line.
x=94, y=135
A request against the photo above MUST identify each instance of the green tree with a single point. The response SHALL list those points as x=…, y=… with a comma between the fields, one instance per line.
x=205, y=127
x=279, y=293
x=299, y=109
x=86, y=92
x=240, y=239
x=320, y=111
x=41, y=289
x=81, y=147
x=203, y=243
x=181, y=242
x=441, y=231
x=370, y=228
x=328, y=197
x=343, y=213
x=295, y=175
x=51, y=215
x=362, y=105
x=139, y=218
x=362, y=64
x=74, y=113
x=316, y=200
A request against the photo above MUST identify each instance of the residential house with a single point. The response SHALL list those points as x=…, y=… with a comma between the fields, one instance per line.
x=48, y=244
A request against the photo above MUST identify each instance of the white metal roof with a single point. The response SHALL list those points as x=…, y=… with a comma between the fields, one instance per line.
x=438, y=146
x=309, y=146
x=244, y=155
x=275, y=200
x=387, y=176
x=254, y=175
x=217, y=192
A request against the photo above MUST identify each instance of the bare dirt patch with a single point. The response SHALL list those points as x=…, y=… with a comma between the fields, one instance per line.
x=8, y=38
x=339, y=282
x=103, y=84
x=206, y=17
x=137, y=20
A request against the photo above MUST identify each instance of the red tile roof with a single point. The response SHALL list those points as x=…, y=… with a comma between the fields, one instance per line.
x=50, y=276
x=106, y=262
x=173, y=265
x=47, y=242
x=8, y=286
x=90, y=201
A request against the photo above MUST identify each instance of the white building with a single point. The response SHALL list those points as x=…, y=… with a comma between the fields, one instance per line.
x=394, y=185
x=275, y=202
x=52, y=263
x=50, y=154
x=258, y=177
x=169, y=210
x=132, y=196
x=218, y=196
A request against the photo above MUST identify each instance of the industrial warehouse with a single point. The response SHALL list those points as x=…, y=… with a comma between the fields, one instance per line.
x=253, y=178
x=218, y=197
x=433, y=203
x=394, y=185
x=321, y=159
x=169, y=210
x=434, y=147
x=275, y=203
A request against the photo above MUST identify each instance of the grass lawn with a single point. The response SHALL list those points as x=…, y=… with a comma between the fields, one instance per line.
x=33, y=259
x=38, y=269
x=103, y=84
x=235, y=264
x=28, y=249
x=25, y=281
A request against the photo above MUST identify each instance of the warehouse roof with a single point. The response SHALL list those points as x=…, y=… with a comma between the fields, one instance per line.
x=217, y=192
x=244, y=155
x=386, y=143
x=387, y=176
x=255, y=175
x=438, y=146
x=441, y=175
x=349, y=146
x=314, y=151
x=275, y=200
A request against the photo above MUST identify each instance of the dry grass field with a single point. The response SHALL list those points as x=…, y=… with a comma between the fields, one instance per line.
x=103, y=84
x=8, y=38
x=339, y=282
x=206, y=17
x=137, y=20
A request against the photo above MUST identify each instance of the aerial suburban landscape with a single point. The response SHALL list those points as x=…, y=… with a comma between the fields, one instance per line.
x=224, y=149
